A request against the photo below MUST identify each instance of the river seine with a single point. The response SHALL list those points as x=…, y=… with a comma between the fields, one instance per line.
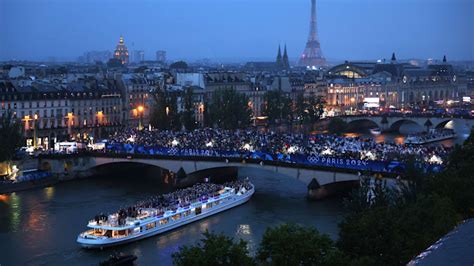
x=40, y=226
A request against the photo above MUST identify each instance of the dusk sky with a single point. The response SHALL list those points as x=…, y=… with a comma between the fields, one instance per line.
x=237, y=30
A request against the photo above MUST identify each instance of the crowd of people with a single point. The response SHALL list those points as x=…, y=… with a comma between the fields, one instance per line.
x=281, y=144
x=172, y=201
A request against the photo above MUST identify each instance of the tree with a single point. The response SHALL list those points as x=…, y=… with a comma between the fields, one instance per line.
x=229, y=109
x=164, y=115
x=393, y=235
x=187, y=116
x=300, y=107
x=277, y=107
x=206, y=116
x=456, y=182
x=315, y=107
x=214, y=249
x=159, y=117
x=172, y=111
x=179, y=65
x=10, y=137
x=337, y=126
x=372, y=193
x=291, y=244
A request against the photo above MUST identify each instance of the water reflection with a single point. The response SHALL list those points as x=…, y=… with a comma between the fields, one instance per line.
x=385, y=137
x=49, y=192
x=244, y=229
x=15, y=212
x=44, y=223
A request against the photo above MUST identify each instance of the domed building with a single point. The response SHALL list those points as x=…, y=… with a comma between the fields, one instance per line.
x=121, y=52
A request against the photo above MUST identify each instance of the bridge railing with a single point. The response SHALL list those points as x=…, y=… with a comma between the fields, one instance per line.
x=303, y=161
x=418, y=115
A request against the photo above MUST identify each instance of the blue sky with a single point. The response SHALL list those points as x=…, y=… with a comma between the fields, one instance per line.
x=237, y=30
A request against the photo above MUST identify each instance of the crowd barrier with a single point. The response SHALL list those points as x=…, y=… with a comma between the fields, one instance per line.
x=392, y=167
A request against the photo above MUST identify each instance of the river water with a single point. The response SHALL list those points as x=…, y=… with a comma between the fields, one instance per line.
x=40, y=226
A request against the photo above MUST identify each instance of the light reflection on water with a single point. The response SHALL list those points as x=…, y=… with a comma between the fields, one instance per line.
x=41, y=226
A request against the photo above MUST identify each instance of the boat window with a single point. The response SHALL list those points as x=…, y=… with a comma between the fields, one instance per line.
x=186, y=213
x=176, y=216
x=198, y=210
x=164, y=221
x=150, y=225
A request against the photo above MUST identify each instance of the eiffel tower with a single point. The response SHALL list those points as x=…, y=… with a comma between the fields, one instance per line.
x=312, y=55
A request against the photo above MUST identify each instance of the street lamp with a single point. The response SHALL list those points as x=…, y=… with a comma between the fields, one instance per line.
x=140, y=110
x=27, y=120
x=100, y=115
x=70, y=117
x=34, y=130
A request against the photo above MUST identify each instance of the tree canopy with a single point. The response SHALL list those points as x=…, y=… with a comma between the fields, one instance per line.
x=214, y=249
x=292, y=244
x=179, y=65
x=10, y=136
x=278, y=106
x=229, y=109
x=389, y=226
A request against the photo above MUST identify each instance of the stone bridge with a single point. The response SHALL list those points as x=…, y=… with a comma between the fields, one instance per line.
x=393, y=123
x=71, y=166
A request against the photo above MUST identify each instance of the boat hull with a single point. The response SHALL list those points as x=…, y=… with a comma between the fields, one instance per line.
x=110, y=242
x=416, y=142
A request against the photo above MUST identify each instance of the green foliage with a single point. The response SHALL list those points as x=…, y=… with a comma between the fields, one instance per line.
x=214, y=249
x=371, y=194
x=291, y=244
x=159, y=118
x=395, y=234
x=309, y=109
x=164, y=114
x=400, y=224
x=10, y=137
x=187, y=116
x=457, y=181
x=337, y=126
x=277, y=106
x=179, y=65
x=229, y=109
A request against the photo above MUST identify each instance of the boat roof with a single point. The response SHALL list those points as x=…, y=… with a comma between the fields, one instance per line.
x=169, y=213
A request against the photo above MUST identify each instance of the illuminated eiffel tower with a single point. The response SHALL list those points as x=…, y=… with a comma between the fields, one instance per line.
x=312, y=55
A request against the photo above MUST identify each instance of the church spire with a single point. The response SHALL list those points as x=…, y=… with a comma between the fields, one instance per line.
x=393, y=57
x=286, y=61
x=444, y=59
x=279, y=58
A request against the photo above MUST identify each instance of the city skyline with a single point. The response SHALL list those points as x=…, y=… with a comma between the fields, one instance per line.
x=423, y=29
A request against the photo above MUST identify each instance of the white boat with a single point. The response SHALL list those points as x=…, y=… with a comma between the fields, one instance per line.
x=431, y=137
x=375, y=131
x=150, y=222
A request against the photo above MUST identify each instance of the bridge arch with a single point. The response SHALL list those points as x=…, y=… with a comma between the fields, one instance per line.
x=362, y=124
x=443, y=123
x=406, y=126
